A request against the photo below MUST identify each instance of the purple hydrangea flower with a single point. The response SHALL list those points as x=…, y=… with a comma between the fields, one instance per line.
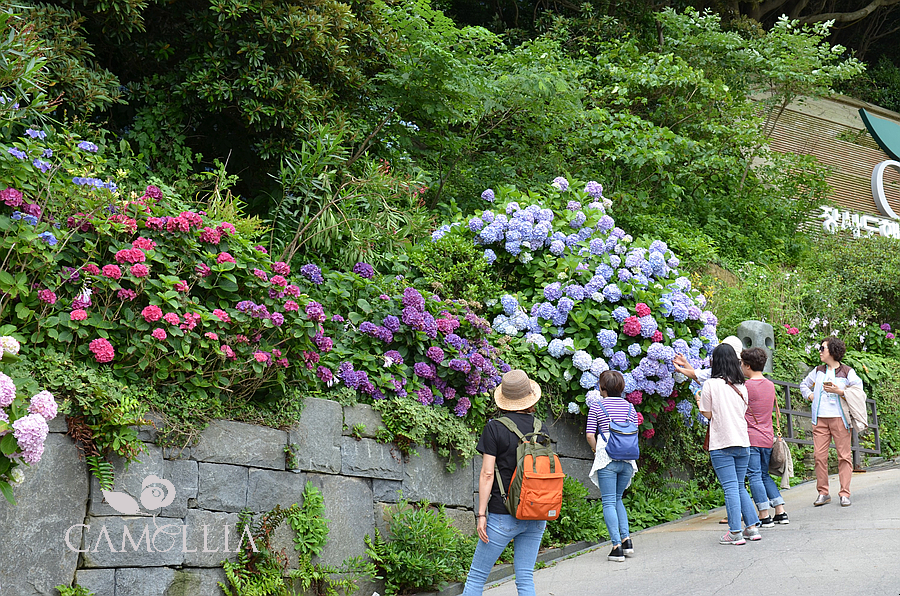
x=594, y=189
x=560, y=183
x=364, y=270
x=488, y=195
x=312, y=273
x=435, y=353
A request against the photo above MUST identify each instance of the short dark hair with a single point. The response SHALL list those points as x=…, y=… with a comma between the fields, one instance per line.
x=836, y=347
x=612, y=382
x=726, y=366
x=755, y=358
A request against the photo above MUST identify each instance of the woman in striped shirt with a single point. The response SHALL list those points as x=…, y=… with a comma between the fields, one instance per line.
x=612, y=477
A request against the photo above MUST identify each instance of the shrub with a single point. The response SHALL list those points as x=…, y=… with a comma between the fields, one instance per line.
x=579, y=519
x=587, y=297
x=453, y=266
x=421, y=551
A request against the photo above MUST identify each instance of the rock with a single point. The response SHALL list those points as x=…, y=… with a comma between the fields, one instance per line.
x=362, y=415
x=133, y=542
x=462, y=519
x=58, y=424
x=228, y=442
x=150, y=431
x=129, y=480
x=348, y=504
x=316, y=438
x=53, y=497
x=386, y=490
x=757, y=334
x=223, y=487
x=206, y=536
x=567, y=432
x=426, y=477
x=579, y=469
x=370, y=459
x=102, y=582
x=144, y=582
x=197, y=582
x=268, y=488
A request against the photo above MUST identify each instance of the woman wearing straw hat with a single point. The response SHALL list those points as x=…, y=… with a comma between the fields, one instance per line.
x=515, y=397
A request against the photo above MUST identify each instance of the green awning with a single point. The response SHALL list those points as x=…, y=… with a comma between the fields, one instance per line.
x=885, y=132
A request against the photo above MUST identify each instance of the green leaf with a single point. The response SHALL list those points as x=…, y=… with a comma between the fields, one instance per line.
x=8, y=444
x=364, y=305
x=6, y=489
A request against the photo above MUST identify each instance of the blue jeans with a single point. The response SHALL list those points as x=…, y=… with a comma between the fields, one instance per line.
x=613, y=480
x=730, y=465
x=765, y=491
x=526, y=536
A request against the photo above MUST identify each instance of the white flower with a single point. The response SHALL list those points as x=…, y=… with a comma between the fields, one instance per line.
x=573, y=408
x=561, y=275
x=627, y=238
x=17, y=476
x=567, y=376
x=525, y=257
x=388, y=361
x=490, y=302
x=824, y=322
x=862, y=338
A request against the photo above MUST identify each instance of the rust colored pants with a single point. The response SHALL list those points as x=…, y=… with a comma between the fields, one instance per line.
x=824, y=431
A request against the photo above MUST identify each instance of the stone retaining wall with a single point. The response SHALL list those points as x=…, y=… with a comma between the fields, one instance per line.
x=234, y=467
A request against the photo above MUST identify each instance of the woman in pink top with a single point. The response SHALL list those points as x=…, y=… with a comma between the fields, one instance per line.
x=761, y=396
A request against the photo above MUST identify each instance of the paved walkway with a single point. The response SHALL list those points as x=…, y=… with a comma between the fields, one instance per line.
x=825, y=550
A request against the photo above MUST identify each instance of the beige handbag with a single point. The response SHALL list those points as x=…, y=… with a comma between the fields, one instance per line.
x=781, y=453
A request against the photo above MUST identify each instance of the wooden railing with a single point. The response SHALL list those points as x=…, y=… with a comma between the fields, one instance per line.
x=791, y=402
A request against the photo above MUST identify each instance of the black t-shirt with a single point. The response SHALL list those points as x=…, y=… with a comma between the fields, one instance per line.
x=499, y=441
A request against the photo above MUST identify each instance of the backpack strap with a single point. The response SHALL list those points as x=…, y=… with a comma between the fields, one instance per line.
x=600, y=432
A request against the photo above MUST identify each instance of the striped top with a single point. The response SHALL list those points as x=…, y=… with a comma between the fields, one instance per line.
x=617, y=407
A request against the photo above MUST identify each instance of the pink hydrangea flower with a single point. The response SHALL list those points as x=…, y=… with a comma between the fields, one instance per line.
x=178, y=224
x=139, y=270
x=171, y=318
x=190, y=321
x=30, y=432
x=7, y=391
x=152, y=313
x=657, y=336
x=222, y=315
x=261, y=249
x=159, y=333
x=642, y=309
x=224, y=257
x=290, y=305
x=212, y=336
x=292, y=290
x=130, y=255
x=640, y=418
x=283, y=362
x=78, y=315
x=228, y=352
x=278, y=280
x=635, y=397
x=144, y=243
x=91, y=269
x=11, y=197
x=648, y=433
x=47, y=296
x=632, y=326
x=194, y=220
x=210, y=235
x=203, y=270
x=182, y=286
x=112, y=272
x=44, y=404
x=102, y=350
x=126, y=295
x=226, y=228
x=281, y=268
x=261, y=274
x=261, y=357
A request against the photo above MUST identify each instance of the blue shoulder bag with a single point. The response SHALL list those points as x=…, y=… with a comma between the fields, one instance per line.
x=622, y=444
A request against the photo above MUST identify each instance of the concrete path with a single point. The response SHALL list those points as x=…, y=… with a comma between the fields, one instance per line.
x=825, y=550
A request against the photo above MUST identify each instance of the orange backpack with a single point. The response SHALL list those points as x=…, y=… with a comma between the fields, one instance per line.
x=536, y=487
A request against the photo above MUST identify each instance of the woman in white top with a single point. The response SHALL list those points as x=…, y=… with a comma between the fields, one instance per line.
x=824, y=386
x=724, y=401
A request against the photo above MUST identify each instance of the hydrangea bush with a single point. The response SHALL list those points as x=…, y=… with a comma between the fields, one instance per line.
x=386, y=340
x=23, y=424
x=584, y=296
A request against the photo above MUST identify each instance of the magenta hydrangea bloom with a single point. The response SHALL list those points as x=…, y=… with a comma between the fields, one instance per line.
x=102, y=350
x=435, y=353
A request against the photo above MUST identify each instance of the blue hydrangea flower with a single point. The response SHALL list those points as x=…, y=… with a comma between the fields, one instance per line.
x=553, y=292
x=476, y=224
x=640, y=280
x=615, y=261
x=597, y=247
x=546, y=310
x=560, y=183
x=630, y=383
x=680, y=313
x=608, y=352
x=573, y=408
x=612, y=293
x=488, y=195
x=624, y=274
x=557, y=248
x=619, y=360
x=673, y=262
x=582, y=360
x=598, y=366
x=493, y=232
x=648, y=326
x=574, y=291
x=656, y=262
x=42, y=165
x=635, y=350
x=439, y=233
x=607, y=338
x=597, y=297
x=565, y=305
x=556, y=348
x=620, y=314
x=592, y=398
x=490, y=256
x=658, y=246
x=605, y=223
x=546, y=215
x=594, y=189
x=584, y=234
x=49, y=238
x=48, y=153
x=538, y=340
x=36, y=134
x=694, y=313
x=588, y=380
x=488, y=216
x=709, y=318
x=87, y=146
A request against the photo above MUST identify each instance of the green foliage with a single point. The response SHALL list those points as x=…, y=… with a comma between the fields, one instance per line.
x=453, y=266
x=879, y=85
x=422, y=550
x=579, y=518
x=260, y=571
x=408, y=423
x=75, y=590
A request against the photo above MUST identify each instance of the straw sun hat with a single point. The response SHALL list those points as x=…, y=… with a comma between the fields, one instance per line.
x=516, y=392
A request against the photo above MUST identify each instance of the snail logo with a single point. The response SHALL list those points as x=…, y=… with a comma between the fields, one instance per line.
x=156, y=493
